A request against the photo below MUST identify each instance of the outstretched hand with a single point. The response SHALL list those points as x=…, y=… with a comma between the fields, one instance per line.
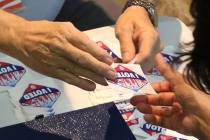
x=139, y=40
x=177, y=105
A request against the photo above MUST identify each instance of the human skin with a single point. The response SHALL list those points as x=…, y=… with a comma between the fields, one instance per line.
x=177, y=106
x=56, y=49
x=139, y=39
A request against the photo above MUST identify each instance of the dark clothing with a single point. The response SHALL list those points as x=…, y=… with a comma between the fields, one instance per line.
x=84, y=15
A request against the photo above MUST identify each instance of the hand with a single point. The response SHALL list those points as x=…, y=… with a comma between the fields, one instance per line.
x=59, y=50
x=177, y=105
x=138, y=38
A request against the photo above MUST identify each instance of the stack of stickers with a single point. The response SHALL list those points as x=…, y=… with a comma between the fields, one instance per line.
x=33, y=95
x=131, y=81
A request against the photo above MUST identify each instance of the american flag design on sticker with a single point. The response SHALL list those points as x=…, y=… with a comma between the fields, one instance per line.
x=166, y=137
x=11, y=5
x=152, y=129
x=10, y=74
x=128, y=79
x=39, y=96
x=168, y=58
x=133, y=122
x=105, y=47
x=125, y=109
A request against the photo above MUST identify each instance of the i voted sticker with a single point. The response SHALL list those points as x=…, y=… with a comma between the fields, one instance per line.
x=164, y=137
x=39, y=96
x=105, y=47
x=152, y=129
x=128, y=79
x=126, y=109
x=133, y=122
x=10, y=74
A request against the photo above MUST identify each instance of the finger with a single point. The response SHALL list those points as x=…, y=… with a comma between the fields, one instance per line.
x=155, y=110
x=57, y=61
x=80, y=71
x=74, y=80
x=163, y=86
x=153, y=119
x=163, y=99
x=172, y=76
x=87, y=61
x=148, y=47
x=82, y=41
x=125, y=37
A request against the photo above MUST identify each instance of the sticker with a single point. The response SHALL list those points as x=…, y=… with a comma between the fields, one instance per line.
x=128, y=111
x=128, y=79
x=146, y=130
x=133, y=122
x=10, y=74
x=42, y=98
x=105, y=47
x=164, y=137
x=39, y=96
x=152, y=129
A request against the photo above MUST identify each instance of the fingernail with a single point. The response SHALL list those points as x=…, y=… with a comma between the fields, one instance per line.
x=112, y=74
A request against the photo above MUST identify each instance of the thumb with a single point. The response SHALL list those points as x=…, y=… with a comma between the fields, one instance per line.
x=127, y=46
x=185, y=94
x=170, y=74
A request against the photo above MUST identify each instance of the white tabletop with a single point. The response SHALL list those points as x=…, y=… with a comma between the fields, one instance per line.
x=172, y=32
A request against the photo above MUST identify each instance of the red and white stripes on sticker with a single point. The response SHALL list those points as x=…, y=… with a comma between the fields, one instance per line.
x=11, y=5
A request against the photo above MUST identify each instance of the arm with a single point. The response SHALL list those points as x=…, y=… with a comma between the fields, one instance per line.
x=139, y=40
x=56, y=49
x=182, y=104
x=9, y=31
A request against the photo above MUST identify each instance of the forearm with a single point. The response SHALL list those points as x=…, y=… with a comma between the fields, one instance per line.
x=9, y=35
x=147, y=6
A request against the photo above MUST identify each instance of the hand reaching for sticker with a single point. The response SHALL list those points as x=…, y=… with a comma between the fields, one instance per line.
x=56, y=49
x=138, y=38
x=177, y=105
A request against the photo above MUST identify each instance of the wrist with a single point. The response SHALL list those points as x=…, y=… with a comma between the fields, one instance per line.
x=136, y=12
x=148, y=6
x=11, y=27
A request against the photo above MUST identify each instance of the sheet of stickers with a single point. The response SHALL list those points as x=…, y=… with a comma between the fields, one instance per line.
x=26, y=95
x=132, y=81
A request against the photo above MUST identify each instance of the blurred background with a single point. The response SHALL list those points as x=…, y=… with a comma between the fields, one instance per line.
x=175, y=8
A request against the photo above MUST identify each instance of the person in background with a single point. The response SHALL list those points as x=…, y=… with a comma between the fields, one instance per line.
x=182, y=100
x=59, y=49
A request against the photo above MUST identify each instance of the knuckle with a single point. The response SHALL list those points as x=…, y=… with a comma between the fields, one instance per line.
x=73, y=68
x=83, y=58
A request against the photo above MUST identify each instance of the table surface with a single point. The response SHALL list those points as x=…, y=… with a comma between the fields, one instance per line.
x=173, y=33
